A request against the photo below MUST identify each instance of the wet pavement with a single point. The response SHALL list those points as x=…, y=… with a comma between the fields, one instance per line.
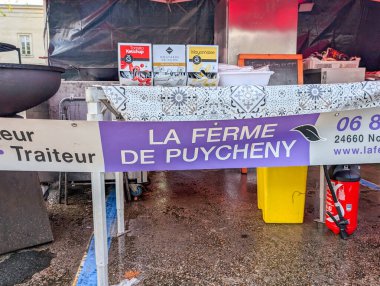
x=55, y=263
x=22, y=265
x=204, y=228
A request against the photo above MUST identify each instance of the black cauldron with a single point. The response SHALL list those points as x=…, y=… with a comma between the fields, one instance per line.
x=25, y=86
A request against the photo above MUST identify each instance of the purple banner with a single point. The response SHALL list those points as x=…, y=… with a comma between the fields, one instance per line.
x=186, y=145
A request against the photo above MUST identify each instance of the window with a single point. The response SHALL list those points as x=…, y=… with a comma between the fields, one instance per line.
x=25, y=44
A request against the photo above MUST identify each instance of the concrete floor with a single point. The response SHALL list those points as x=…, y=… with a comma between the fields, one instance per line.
x=55, y=263
x=204, y=228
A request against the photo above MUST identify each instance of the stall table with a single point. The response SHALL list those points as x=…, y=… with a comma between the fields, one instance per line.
x=136, y=103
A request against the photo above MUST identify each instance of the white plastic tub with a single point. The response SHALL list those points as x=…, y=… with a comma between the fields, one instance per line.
x=228, y=78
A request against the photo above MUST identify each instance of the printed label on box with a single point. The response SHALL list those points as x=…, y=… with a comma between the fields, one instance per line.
x=202, y=57
x=169, y=58
x=169, y=65
x=135, y=64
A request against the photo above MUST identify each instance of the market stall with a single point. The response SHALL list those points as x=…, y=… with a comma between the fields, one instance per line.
x=191, y=95
x=234, y=20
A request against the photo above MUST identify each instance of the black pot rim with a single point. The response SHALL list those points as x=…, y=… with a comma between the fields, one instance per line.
x=31, y=67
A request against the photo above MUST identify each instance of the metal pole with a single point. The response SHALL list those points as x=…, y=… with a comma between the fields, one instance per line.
x=60, y=187
x=119, y=184
x=65, y=188
x=98, y=197
x=100, y=227
x=126, y=180
x=19, y=55
x=322, y=195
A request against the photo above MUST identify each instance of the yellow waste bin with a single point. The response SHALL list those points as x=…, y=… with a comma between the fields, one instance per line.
x=281, y=193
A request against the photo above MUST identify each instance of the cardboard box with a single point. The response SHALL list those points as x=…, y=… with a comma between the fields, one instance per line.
x=202, y=65
x=169, y=65
x=135, y=64
x=202, y=57
x=314, y=63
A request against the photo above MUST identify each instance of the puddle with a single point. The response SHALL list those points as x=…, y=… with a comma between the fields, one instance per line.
x=21, y=266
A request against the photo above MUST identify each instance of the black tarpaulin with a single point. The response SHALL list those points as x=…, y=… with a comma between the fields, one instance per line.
x=350, y=26
x=85, y=34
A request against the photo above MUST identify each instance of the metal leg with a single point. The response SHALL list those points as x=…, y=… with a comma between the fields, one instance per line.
x=65, y=188
x=144, y=175
x=141, y=177
x=120, y=202
x=100, y=228
x=132, y=175
x=322, y=196
x=60, y=187
x=129, y=197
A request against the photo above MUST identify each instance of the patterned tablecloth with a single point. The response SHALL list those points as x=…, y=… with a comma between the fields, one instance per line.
x=238, y=102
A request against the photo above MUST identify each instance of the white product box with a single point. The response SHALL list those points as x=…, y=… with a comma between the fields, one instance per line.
x=169, y=65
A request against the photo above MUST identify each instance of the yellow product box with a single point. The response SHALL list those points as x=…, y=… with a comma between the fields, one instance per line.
x=202, y=58
x=202, y=65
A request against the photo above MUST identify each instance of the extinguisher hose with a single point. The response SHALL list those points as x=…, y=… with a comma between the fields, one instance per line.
x=342, y=227
x=342, y=221
x=333, y=194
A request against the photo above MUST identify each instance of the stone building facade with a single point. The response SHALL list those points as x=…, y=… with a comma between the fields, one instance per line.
x=23, y=26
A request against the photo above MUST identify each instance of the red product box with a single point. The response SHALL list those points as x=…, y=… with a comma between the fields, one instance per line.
x=135, y=64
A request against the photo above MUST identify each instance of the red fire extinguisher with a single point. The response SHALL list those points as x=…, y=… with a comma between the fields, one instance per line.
x=342, y=200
